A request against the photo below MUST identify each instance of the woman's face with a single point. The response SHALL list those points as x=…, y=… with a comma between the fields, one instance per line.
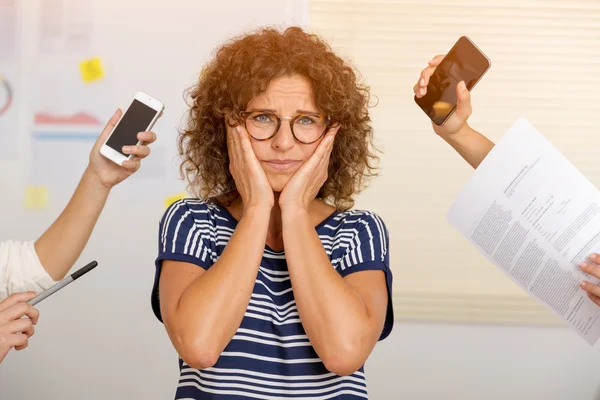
x=282, y=155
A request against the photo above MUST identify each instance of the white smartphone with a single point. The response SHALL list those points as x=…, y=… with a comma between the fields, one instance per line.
x=141, y=116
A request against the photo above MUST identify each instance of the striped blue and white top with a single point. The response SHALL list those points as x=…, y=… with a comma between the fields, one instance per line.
x=270, y=356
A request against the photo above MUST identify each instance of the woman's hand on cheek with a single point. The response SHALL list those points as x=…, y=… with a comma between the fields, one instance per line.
x=250, y=179
x=306, y=182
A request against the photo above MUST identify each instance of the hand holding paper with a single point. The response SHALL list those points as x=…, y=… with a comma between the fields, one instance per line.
x=536, y=217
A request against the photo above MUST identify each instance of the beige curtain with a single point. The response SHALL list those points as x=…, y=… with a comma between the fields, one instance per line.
x=545, y=66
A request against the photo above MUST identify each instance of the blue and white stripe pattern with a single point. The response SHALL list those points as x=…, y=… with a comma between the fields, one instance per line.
x=270, y=356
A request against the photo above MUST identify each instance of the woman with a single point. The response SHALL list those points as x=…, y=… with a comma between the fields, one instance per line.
x=269, y=286
x=28, y=268
x=474, y=147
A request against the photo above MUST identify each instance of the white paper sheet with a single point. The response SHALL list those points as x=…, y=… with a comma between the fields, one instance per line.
x=536, y=217
x=8, y=30
x=66, y=27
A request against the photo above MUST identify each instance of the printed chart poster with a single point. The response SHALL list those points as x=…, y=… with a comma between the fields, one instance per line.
x=9, y=116
x=67, y=118
x=8, y=30
x=66, y=27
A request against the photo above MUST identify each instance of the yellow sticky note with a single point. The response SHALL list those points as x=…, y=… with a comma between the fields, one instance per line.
x=172, y=199
x=91, y=70
x=36, y=197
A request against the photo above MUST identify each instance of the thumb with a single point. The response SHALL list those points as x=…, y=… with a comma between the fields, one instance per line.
x=110, y=125
x=463, y=107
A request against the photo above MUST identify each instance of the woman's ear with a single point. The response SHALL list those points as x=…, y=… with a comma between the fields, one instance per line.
x=233, y=120
x=229, y=120
x=335, y=127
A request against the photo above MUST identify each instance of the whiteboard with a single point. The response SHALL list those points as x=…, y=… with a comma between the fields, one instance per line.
x=98, y=339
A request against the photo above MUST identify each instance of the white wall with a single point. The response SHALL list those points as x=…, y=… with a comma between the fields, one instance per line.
x=417, y=362
x=98, y=339
x=477, y=362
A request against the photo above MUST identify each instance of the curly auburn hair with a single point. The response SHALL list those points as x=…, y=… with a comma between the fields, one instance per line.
x=243, y=68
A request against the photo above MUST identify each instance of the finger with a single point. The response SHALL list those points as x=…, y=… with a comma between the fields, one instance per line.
x=19, y=325
x=329, y=147
x=233, y=150
x=463, y=107
x=590, y=288
x=322, y=151
x=17, y=311
x=131, y=165
x=325, y=160
x=20, y=341
x=420, y=87
x=590, y=268
x=33, y=314
x=235, y=142
x=146, y=137
x=234, y=139
x=29, y=332
x=595, y=299
x=140, y=151
x=16, y=298
x=245, y=144
x=435, y=61
x=19, y=348
x=110, y=125
x=108, y=128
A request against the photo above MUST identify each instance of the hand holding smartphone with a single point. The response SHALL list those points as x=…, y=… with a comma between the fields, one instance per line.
x=464, y=62
x=141, y=116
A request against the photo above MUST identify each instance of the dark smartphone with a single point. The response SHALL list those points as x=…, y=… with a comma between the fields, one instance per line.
x=464, y=62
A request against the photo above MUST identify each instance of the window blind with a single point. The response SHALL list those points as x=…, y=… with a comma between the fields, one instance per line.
x=545, y=66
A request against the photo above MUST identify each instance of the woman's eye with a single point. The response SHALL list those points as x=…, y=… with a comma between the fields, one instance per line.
x=263, y=118
x=306, y=121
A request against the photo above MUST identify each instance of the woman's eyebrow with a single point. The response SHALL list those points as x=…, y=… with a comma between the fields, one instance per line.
x=275, y=111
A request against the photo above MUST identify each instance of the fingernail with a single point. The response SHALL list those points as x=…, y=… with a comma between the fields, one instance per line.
x=583, y=265
x=582, y=284
x=126, y=149
x=422, y=91
x=422, y=81
x=593, y=256
x=239, y=128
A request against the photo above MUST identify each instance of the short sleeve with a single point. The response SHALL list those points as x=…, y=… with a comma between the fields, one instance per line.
x=186, y=233
x=21, y=269
x=367, y=248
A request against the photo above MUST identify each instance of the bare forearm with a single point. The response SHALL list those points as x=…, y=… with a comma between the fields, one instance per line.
x=60, y=246
x=470, y=144
x=211, y=309
x=332, y=313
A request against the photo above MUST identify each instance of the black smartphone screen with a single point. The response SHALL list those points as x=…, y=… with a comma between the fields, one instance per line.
x=464, y=62
x=136, y=119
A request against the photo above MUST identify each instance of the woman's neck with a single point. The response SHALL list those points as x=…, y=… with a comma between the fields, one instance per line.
x=275, y=232
x=318, y=211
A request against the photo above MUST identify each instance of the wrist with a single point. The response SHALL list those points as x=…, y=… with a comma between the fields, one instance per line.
x=294, y=213
x=258, y=210
x=90, y=180
x=460, y=135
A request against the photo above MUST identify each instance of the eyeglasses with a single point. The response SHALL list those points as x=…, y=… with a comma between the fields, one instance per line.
x=306, y=128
